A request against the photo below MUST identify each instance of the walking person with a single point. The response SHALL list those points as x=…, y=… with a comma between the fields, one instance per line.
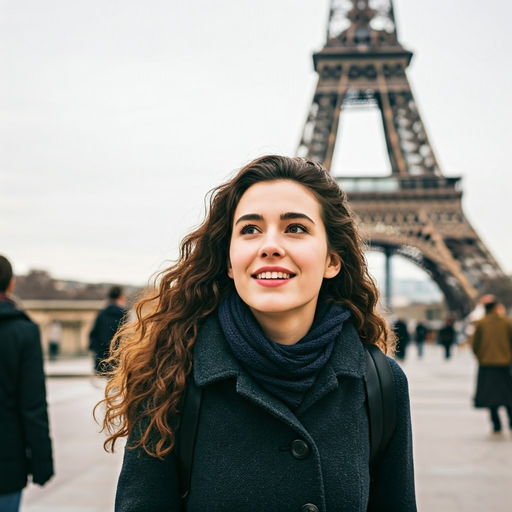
x=402, y=338
x=447, y=337
x=54, y=336
x=492, y=346
x=420, y=335
x=25, y=444
x=266, y=311
x=105, y=327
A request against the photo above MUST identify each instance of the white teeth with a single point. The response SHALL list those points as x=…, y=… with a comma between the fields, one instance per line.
x=273, y=275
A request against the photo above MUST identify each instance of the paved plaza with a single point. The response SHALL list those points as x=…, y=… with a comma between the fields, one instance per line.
x=458, y=468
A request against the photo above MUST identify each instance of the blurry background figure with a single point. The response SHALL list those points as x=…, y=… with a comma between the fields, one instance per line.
x=105, y=327
x=447, y=337
x=25, y=444
x=420, y=335
x=54, y=335
x=492, y=345
x=402, y=338
x=477, y=314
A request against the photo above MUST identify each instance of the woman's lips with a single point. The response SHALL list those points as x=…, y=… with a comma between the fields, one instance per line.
x=272, y=282
x=273, y=276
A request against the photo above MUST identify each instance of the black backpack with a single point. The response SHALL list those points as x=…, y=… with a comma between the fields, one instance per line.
x=380, y=394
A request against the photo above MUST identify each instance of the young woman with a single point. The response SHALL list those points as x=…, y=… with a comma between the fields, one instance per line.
x=267, y=309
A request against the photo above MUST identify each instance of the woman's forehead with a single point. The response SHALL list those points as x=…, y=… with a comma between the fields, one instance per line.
x=278, y=196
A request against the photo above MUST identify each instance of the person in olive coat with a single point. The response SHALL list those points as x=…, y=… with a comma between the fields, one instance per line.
x=492, y=346
x=25, y=444
x=267, y=310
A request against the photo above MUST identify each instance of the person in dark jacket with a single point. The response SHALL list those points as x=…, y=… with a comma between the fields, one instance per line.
x=402, y=338
x=267, y=310
x=447, y=337
x=25, y=444
x=105, y=328
x=420, y=335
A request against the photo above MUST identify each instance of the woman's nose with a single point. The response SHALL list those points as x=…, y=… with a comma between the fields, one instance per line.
x=271, y=246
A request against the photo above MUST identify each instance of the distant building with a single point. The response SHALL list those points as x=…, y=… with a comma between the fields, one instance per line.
x=75, y=316
x=72, y=303
x=433, y=313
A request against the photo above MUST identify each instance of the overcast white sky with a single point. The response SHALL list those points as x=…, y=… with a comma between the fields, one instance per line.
x=118, y=116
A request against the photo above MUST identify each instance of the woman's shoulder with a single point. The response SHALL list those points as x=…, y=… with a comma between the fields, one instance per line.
x=400, y=378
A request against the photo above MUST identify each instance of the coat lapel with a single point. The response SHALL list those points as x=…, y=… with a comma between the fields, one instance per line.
x=214, y=361
x=347, y=360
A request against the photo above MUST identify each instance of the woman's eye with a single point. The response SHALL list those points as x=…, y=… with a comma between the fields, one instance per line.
x=297, y=228
x=249, y=230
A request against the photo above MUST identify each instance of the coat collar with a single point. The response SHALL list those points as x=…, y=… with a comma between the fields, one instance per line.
x=214, y=361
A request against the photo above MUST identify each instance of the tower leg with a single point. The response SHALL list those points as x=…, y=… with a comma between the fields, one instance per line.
x=387, y=289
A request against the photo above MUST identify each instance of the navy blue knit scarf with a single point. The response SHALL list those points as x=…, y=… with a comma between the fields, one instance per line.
x=286, y=371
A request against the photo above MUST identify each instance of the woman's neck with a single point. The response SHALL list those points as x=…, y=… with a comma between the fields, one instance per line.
x=285, y=328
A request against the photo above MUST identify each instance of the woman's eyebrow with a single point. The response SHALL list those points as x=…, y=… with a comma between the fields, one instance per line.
x=250, y=216
x=283, y=216
x=295, y=215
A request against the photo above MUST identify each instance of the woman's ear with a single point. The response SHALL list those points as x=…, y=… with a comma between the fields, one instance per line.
x=332, y=265
x=230, y=269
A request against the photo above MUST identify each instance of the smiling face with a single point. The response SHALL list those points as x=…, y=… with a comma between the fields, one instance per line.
x=278, y=256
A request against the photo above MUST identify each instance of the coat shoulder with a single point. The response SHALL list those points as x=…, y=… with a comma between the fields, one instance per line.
x=401, y=382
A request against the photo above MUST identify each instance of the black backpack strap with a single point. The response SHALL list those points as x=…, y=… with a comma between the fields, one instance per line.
x=380, y=392
x=186, y=435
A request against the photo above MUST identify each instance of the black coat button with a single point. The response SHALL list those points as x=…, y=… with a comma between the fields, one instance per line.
x=309, y=507
x=300, y=449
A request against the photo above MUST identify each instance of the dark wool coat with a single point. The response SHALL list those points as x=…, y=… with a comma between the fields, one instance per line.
x=25, y=445
x=244, y=459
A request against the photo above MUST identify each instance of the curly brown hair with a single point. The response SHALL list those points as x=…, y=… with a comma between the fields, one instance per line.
x=153, y=356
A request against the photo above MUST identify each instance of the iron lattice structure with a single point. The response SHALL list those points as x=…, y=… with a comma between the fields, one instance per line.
x=415, y=212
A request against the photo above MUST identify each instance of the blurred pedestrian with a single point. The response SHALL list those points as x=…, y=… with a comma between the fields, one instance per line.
x=468, y=328
x=402, y=338
x=420, y=336
x=25, y=444
x=54, y=335
x=105, y=328
x=447, y=337
x=492, y=345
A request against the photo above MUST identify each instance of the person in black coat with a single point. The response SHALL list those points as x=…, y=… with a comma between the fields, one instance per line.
x=105, y=328
x=25, y=444
x=447, y=337
x=266, y=310
x=402, y=338
x=420, y=333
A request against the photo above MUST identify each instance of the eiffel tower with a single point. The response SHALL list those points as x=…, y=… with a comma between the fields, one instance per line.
x=416, y=211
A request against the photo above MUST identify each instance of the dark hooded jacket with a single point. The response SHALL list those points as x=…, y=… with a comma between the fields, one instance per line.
x=105, y=327
x=25, y=444
x=246, y=457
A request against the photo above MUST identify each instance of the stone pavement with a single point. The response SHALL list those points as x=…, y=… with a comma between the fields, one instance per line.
x=86, y=475
x=458, y=468
x=69, y=367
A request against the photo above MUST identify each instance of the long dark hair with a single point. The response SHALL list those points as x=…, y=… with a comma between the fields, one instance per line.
x=153, y=355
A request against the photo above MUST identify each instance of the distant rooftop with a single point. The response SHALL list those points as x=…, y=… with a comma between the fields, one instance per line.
x=40, y=285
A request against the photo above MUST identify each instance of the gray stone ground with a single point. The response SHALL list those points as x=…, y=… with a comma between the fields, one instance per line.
x=458, y=468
